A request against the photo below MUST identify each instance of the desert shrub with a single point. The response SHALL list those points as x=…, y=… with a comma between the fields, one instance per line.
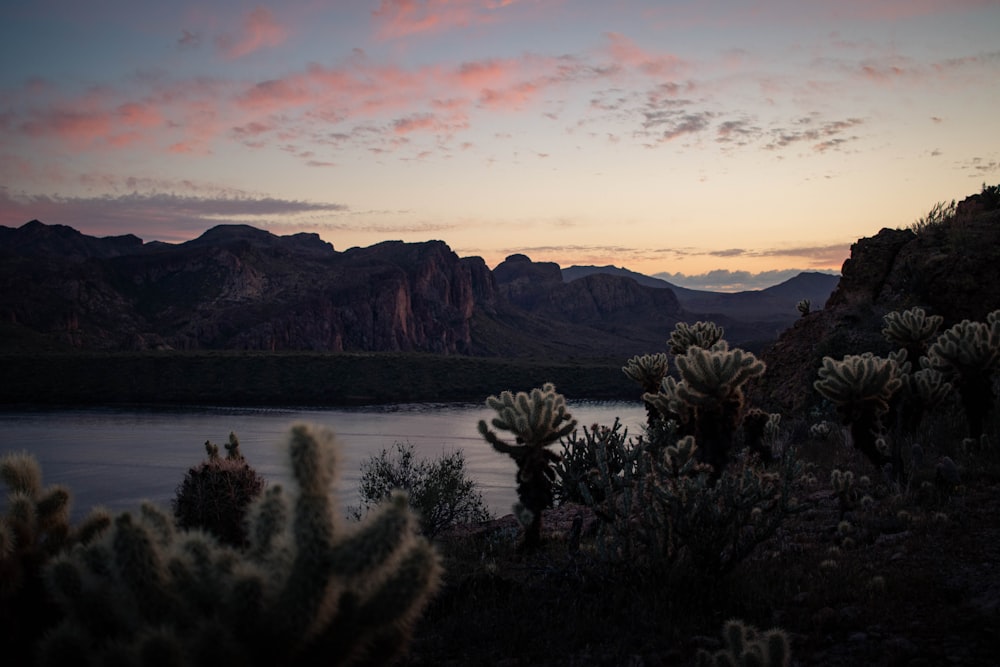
x=440, y=491
x=936, y=219
x=662, y=508
x=578, y=464
x=215, y=494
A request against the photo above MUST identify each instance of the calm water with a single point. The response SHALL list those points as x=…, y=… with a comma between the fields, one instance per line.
x=117, y=458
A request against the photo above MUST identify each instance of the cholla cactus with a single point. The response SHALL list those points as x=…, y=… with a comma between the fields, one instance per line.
x=745, y=646
x=861, y=387
x=215, y=495
x=35, y=529
x=969, y=353
x=307, y=588
x=537, y=420
x=648, y=370
x=712, y=386
x=759, y=428
x=911, y=330
x=700, y=334
x=668, y=404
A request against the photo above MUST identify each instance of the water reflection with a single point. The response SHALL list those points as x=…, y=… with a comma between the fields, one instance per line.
x=117, y=458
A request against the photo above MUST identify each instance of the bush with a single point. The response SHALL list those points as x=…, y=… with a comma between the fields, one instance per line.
x=663, y=508
x=215, y=494
x=439, y=491
x=576, y=471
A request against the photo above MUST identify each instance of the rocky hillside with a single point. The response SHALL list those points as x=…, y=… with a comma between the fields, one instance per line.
x=748, y=316
x=949, y=266
x=240, y=288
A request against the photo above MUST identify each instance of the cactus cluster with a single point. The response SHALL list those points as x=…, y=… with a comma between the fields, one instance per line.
x=306, y=589
x=969, y=355
x=911, y=330
x=700, y=334
x=709, y=397
x=35, y=528
x=215, y=494
x=745, y=646
x=537, y=420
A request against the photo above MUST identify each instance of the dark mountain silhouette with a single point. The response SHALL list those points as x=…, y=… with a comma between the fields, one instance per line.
x=242, y=288
x=950, y=268
x=748, y=316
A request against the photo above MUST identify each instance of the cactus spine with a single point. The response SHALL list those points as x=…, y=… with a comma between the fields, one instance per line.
x=536, y=420
x=306, y=589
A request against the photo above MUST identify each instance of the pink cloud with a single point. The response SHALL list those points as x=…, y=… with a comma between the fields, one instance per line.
x=259, y=30
x=625, y=53
x=399, y=18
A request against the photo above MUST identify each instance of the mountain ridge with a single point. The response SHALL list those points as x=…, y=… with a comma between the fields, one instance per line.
x=240, y=287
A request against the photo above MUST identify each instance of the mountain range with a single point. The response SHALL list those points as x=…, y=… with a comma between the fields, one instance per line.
x=237, y=287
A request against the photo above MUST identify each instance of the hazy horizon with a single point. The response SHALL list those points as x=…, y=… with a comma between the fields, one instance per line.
x=689, y=138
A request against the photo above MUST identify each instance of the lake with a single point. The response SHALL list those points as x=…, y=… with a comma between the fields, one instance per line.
x=118, y=457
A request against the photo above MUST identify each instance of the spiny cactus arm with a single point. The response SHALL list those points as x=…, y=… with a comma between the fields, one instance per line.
x=140, y=565
x=911, y=327
x=700, y=334
x=212, y=450
x=930, y=386
x=536, y=419
x=514, y=451
x=21, y=473
x=376, y=624
x=233, y=448
x=715, y=374
x=268, y=516
x=307, y=587
x=966, y=348
x=382, y=534
x=93, y=525
x=647, y=370
x=858, y=380
x=667, y=400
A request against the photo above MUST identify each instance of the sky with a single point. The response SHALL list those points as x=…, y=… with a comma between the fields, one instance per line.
x=722, y=144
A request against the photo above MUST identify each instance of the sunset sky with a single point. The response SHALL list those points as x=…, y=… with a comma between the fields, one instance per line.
x=708, y=140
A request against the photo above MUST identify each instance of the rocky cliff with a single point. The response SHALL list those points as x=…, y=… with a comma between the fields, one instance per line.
x=950, y=268
x=237, y=287
x=240, y=288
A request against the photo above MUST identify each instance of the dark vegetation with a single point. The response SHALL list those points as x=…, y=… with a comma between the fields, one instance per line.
x=258, y=378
